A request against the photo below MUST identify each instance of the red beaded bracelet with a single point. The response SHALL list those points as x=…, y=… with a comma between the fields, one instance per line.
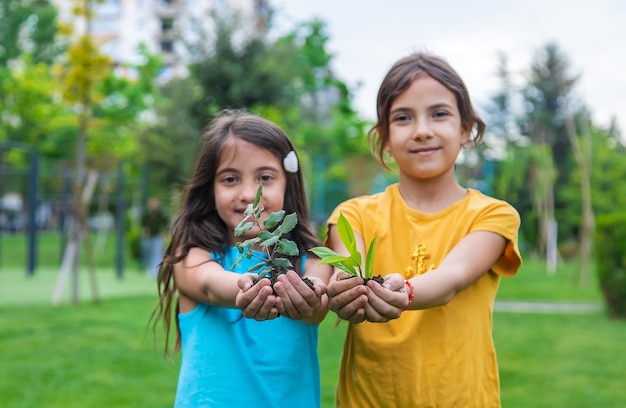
x=410, y=285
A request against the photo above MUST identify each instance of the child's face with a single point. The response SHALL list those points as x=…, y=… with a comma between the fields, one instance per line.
x=425, y=131
x=242, y=166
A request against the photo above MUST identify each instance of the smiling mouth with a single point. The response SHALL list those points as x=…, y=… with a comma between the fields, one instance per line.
x=424, y=150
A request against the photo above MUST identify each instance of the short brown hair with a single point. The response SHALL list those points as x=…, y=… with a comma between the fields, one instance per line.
x=399, y=79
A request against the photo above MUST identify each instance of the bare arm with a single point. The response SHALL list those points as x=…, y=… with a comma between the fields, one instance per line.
x=458, y=270
x=200, y=279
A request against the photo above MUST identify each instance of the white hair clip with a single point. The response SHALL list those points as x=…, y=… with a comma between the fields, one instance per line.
x=290, y=162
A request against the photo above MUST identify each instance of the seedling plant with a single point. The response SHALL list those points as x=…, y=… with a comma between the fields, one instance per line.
x=269, y=239
x=350, y=264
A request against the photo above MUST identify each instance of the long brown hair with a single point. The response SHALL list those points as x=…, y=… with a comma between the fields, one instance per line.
x=399, y=79
x=197, y=223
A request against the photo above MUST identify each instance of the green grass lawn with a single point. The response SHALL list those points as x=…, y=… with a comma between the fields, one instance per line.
x=535, y=284
x=102, y=355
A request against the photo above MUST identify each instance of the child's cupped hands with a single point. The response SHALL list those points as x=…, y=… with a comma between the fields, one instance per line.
x=347, y=297
x=296, y=300
x=387, y=301
x=355, y=302
x=256, y=301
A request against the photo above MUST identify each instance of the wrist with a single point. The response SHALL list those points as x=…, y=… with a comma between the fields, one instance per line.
x=409, y=292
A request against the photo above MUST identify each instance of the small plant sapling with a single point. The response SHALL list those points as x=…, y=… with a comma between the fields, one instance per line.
x=350, y=264
x=270, y=239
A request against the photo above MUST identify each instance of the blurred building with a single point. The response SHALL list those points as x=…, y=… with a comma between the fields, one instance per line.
x=164, y=26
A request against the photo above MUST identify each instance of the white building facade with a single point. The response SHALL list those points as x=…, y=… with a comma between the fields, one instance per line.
x=162, y=25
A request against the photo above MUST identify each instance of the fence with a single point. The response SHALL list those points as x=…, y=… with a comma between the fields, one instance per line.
x=36, y=195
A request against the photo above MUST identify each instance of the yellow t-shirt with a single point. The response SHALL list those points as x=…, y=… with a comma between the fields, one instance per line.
x=439, y=357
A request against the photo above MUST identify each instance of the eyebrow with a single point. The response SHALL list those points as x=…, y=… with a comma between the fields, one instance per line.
x=258, y=169
x=435, y=106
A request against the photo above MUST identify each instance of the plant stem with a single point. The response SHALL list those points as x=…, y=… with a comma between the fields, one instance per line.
x=267, y=251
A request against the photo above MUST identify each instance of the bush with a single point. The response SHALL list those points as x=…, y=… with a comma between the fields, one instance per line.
x=610, y=243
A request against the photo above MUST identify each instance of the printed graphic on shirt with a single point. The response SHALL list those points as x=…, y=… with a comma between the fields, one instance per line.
x=419, y=264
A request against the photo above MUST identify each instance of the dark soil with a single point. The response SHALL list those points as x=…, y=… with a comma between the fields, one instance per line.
x=309, y=282
x=377, y=278
x=274, y=277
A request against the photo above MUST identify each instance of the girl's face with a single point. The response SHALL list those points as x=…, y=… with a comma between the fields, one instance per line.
x=425, y=131
x=241, y=168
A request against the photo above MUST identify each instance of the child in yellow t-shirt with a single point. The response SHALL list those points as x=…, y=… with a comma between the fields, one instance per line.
x=423, y=338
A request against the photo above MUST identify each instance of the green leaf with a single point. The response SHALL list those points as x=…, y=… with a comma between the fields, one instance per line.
x=257, y=267
x=348, y=269
x=265, y=235
x=323, y=252
x=237, y=261
x=271, y=241
x=330, y=257
x=346, y=233
x=248, y=243
x=248, y=211
x=243, y=227
x=287, y=247
x=334, y=260
x=274, y=219
x=282, y=263
x=369, y=261
x=257, y=198
x=265, y=271
x=355, y=260
x=289, y=223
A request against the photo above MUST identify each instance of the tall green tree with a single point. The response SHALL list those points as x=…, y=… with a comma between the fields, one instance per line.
x=288, y=80
x=30, y=112
x=511, y=171
x=28, y=26
x=84, y=70
x=237, y=70
x=125, y=110
x=548, y=103
x=28, y=45
x=169, y=145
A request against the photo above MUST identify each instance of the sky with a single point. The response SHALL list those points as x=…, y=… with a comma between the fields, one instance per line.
x=367, y=36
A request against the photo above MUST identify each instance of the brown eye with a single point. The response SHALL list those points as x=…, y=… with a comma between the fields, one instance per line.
x=401, y=118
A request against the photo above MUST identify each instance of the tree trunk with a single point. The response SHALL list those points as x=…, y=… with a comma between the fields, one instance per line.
x=582, y=154
x=542, y=180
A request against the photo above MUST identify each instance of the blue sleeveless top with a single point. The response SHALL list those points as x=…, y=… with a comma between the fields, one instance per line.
x=232, y=361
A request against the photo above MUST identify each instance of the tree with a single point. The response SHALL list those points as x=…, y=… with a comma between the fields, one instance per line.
x=547, y=104
x=29, y=112
x=511, y=170
x=28, y=26
x=581, y=146
x=28, y=44
x=86, y=68
x=125, y=111
x=287, y=80
x=170, y=144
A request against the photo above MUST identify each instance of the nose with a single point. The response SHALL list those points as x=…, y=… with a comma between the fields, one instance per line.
x=247, y=191
x=422, y=130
